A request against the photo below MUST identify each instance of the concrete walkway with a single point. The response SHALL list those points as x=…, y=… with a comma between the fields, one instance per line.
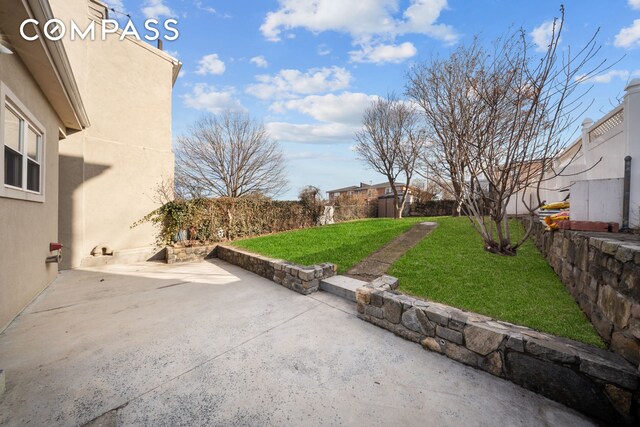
x=378, y=263
x=207, y=343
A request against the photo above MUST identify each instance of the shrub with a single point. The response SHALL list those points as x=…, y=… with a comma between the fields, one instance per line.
x=214, y=220
x=311, y=200
x=348, y=208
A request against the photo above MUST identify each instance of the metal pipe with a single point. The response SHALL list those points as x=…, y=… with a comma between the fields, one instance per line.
x=54, y=259
x=626, y=194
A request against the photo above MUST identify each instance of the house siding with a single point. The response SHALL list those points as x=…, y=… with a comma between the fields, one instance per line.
x=28, y=227
x=110, y=171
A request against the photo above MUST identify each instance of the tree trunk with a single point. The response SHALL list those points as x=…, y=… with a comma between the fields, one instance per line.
x=501, y=245
x=397, y=213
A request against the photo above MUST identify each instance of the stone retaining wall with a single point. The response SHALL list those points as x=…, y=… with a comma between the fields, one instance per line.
x=602, y=272
x=302, y=279
x=193, y=253
x=596, y=382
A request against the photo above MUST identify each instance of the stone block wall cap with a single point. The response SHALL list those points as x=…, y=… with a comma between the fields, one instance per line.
x=386, y=280
x=613, y=373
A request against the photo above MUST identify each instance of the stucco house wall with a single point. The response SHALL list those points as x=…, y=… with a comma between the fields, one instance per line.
x=98, y=175
x=28, y=226
x=109, y=172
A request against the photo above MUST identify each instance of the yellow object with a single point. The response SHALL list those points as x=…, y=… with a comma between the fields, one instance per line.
x=560, y=216
x=556, y=205
x=552, y=220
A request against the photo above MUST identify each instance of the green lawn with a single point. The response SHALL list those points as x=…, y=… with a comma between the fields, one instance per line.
x=450, y=266
x=343, y=244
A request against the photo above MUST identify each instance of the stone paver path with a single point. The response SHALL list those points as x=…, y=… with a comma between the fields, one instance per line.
x=380, y=261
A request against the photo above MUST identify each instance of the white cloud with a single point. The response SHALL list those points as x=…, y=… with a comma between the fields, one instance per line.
x=337, y=117
x=346, y=108
x=542, y=34
x=634, y=4
x=259, y=61
x=156, y=9
x=201, y=6
x=323, y=50
x=210, y=64
x=350, y=16
x=325, y=133
x=288, y=83
x=421, y=17
x=629, y=37
x=384, y=53
x=208, y=98
x=607, y=77
x=118, y=5
x=365, y=21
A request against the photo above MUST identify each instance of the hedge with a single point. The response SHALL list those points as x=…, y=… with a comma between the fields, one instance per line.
x=214, y=220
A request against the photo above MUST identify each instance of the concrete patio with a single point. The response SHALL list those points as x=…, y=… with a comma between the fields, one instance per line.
x=207, y=343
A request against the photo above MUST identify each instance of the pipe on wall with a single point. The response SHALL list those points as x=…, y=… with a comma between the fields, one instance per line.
x=626, y=194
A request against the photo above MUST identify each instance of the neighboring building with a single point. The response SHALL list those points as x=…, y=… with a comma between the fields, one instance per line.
x=366, y=191
x=86, y=137
x=593, y=167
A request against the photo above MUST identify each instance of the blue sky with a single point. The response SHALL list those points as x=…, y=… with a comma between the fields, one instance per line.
x=308, y=68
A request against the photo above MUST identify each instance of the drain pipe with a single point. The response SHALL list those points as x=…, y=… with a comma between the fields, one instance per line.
x=626, y=194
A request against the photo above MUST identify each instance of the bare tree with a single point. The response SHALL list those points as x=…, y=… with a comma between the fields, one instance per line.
x=424, y=190
x=231, y=155
x=165, y=192
x=391, y=142
x=496, y=119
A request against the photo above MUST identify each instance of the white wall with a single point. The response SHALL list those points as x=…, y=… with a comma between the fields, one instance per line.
x=597, y=157
x=597, y=200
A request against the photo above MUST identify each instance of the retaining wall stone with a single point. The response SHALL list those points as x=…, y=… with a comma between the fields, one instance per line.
x=192, y=253
x=602, y=273
x=302, y=279
x=596, y=382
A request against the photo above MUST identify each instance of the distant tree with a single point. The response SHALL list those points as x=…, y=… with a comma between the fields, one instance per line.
x=424, y=191
x=496, y=120
x=391, y=142
x=311, y=199
x=229, y=155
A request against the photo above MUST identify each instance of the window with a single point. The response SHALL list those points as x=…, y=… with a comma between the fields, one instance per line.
x=22, y=150
x=12, y=149
x=388, y=190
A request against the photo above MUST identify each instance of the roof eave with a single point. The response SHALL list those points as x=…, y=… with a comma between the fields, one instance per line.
x=47, y=62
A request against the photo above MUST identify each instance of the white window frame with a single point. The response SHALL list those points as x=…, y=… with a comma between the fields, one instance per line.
x=8, y=98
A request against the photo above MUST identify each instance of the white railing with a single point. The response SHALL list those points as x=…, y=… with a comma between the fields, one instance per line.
x=607, y=123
